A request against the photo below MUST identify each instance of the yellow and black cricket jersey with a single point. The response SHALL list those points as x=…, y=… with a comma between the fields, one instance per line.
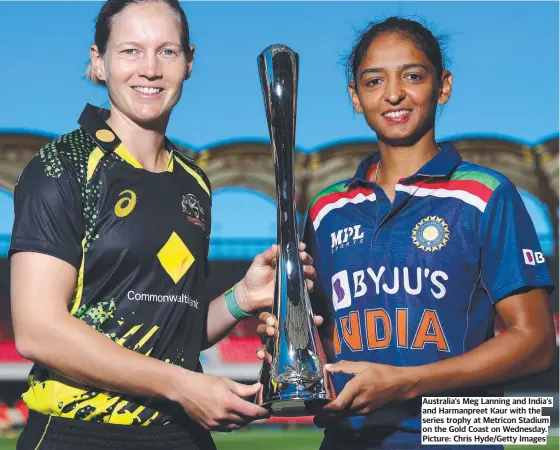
x=140, y=243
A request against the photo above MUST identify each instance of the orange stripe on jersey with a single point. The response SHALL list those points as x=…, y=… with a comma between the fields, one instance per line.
x=353, y=335
x=336, y=340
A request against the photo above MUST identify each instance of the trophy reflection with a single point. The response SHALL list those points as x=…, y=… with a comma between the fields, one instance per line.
x=293, y=376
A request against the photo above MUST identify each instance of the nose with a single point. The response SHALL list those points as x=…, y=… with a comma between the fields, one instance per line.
x=394, y=92
x=150, y=67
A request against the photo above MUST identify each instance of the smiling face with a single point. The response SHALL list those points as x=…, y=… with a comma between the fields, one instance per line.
x=397, y=89
x=144, y=65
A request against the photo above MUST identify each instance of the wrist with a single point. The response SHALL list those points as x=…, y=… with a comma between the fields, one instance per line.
x=175, y=383
x=242, y=296
x=236, y=301
x=411, y=385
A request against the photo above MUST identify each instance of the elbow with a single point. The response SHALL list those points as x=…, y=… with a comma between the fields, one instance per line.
x=25, y=347
x=28, y=344
x=37, y=338
x=550, y=353
x=546, y=352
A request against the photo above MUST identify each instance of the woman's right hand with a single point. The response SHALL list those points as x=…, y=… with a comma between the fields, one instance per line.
x=268, y=328
x=217, y=403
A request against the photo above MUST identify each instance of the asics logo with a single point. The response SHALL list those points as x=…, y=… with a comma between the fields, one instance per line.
x=126, y=204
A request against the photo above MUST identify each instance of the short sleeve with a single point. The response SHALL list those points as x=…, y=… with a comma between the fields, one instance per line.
x=48, y=209
x=511, y=255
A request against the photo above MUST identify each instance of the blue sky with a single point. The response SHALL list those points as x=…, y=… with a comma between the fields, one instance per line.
x=504, y=57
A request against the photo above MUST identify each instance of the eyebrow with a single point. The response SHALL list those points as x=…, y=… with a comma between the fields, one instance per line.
x=137, y=44
x=128, y=43
x=168, y=43
x=402, y=67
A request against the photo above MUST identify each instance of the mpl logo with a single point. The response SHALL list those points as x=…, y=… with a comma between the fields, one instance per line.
x=341, y=238
x=531, y=258
x=341, y=291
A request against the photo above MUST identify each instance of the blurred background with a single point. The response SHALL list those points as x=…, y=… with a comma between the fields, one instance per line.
x=503, y=114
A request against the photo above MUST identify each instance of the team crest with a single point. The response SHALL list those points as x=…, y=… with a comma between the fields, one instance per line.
x=430, y=234
x=193, y=210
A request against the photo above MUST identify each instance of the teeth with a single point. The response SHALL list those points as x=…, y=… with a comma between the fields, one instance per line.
x=400, y=113
x=145, y=90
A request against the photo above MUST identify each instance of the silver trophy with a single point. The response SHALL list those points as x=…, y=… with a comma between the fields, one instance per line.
x=294, y=383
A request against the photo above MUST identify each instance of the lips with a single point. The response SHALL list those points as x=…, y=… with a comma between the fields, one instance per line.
x=148, y=90
x=397, y=116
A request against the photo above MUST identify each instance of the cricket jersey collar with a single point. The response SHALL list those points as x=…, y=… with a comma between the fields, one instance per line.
x=93, y=121
x=441, y=165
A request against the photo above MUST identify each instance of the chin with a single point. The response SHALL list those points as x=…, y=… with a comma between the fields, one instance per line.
x=395, y=135
x=147, y=117
x=403, y=137
x=399, y=139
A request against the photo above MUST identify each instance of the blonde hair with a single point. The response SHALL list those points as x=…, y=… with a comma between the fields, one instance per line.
x=92, y=76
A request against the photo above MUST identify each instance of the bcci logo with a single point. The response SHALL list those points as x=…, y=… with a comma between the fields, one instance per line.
x=430, y=234
x=193, y=210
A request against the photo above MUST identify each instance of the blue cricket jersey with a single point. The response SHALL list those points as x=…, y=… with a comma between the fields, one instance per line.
x=416, y=281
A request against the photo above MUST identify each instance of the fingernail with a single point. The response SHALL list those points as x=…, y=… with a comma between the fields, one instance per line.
x=328, y=366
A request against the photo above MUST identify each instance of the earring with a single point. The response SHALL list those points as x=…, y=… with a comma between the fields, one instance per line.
x=359, y=110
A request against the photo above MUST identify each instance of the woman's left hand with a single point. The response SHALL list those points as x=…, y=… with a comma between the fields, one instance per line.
x=256, y=290
x=373, y=386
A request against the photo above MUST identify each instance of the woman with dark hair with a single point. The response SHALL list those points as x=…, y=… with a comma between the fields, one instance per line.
x=109, y=260
x=438, y=246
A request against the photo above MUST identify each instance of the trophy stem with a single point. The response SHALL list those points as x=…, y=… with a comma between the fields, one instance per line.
x=294, y=383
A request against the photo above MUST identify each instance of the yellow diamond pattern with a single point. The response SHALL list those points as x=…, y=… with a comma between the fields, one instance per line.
x=175, y=257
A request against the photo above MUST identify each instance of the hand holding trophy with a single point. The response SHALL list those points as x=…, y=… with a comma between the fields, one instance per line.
x=294, y=382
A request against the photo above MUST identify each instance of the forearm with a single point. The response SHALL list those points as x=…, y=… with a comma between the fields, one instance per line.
x=219, y=322
x=73, y=349
x=509, y=355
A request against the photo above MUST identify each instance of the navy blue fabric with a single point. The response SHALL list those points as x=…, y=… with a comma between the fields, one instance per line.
x=433, y=263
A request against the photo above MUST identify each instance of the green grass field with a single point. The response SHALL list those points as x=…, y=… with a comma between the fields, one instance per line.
x=296, y=439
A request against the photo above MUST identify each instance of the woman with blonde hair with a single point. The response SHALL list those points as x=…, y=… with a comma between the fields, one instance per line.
x=109, y=260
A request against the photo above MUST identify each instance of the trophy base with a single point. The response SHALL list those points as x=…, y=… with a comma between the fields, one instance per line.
x=295, y=407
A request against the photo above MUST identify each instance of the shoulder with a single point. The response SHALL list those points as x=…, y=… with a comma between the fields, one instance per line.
x=326, y=200
x=189, y=164
x=483, y=182
x=71, y=151
x=330, y=192
x=475, y=172
x=66, y=156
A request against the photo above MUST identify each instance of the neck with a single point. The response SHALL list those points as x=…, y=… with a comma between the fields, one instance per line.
x=146, y=144
x=399, y=162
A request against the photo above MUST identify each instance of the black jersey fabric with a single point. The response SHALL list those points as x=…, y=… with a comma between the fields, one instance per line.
x=139, y=241
x=55, y=433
